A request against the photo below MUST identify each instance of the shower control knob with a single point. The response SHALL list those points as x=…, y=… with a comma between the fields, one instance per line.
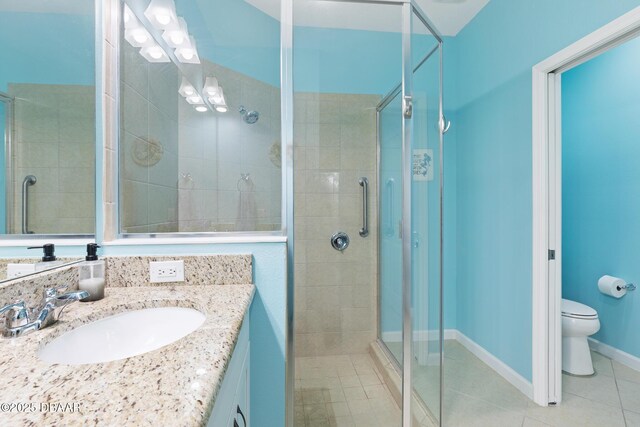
x=340, y=241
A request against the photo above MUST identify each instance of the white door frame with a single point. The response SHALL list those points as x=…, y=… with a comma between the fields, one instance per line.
x=547, y=199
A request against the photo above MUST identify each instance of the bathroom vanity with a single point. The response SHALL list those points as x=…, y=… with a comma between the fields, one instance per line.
x=199, y=379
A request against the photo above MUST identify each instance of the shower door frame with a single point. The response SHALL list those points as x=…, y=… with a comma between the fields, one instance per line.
x=9, y=103
x=422, y=352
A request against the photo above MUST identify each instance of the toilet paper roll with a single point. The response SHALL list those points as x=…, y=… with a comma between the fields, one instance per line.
x=612, y=286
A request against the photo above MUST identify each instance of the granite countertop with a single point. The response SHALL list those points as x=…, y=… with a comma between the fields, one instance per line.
x=174, y=385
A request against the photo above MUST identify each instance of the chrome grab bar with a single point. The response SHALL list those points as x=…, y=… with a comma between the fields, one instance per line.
x=389, y=227
x=364, y=183
x=28, y=181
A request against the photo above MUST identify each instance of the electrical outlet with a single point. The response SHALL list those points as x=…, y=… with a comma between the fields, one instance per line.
x=166, y=271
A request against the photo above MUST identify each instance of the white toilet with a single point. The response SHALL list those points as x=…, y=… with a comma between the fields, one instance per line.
x=578, y=322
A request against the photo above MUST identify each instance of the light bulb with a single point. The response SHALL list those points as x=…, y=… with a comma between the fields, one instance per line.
x=217, y=98
x=186, y=89
x=162, y=14
x=210, y=86
x=194, y=99
x=222, y=108
x=177, y=38
x=163, y=18
x=140, y=36
x=155, y=53
x=202, y=109
x=187, y=54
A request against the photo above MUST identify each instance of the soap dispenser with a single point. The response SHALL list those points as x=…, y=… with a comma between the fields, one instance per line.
x=92, y=274
x=49, y=259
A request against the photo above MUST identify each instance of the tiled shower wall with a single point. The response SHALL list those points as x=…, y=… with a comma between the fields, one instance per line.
x=54, y=141
x=334, y=145
x=149, y=150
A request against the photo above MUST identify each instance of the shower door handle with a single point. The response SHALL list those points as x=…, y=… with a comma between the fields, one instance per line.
x=364, y=183
x=28, y=181
x=390, y=214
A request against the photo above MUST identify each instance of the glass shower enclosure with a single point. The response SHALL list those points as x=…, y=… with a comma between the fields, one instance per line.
x=394, y=137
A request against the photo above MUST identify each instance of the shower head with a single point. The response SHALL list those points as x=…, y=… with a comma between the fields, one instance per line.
x=249, y=117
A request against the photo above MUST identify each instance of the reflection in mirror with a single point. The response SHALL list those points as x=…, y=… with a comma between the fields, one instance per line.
x=12, y=268
x=200, y=100
x=47, y=117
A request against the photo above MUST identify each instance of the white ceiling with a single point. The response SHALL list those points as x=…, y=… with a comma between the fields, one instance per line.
x=448, y=16
x=71, y=7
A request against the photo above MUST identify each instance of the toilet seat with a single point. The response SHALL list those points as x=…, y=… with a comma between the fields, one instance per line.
x=576, y=310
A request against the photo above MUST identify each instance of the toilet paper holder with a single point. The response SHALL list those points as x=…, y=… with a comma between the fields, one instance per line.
x=628, y=287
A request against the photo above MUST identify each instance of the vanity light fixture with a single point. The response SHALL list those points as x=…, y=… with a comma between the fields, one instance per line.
x=154, y=53
x=177, y=37
x=211, y=86
x=186, y=89
x=134, y=32
x=218, y=97
x=188, y=54
x=195, y=100
x=138, y=37
x=162, y=14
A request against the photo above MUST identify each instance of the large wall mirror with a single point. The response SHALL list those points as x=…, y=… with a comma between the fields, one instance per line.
x=47, y=118
x=47, y=129
x=200, y=145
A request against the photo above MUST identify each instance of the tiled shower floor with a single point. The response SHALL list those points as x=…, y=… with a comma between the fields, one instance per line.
x=342, y=391
x=475, y=395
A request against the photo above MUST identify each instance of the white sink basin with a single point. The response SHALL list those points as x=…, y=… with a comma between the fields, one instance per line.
x=124, y=335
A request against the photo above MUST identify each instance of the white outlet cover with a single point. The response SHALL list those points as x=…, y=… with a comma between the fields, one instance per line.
x=166, y=271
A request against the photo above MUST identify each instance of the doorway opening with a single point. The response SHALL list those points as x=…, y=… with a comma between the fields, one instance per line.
x=549, y=253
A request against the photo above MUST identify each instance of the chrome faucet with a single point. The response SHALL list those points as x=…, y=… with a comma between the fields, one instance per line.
x=18, y=316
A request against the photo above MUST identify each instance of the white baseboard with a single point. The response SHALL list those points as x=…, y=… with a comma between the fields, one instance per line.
x=615, y=354
x=505, y=371
x=396, y=336
x=502, y=369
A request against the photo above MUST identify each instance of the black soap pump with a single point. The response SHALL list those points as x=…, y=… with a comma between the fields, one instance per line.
x=92, y=274
x=49, y=259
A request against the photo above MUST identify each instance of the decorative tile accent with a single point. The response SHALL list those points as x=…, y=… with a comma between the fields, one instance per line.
x=423, y=164
x=198, y=270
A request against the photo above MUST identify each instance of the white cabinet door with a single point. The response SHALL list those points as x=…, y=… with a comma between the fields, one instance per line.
x=234, y=391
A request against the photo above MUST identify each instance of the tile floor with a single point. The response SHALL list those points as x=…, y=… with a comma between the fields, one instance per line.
x=349, y=391
x=475, y=395
x=342, y=391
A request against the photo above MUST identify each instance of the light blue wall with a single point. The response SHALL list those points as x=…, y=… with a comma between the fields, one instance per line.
x=333, y=60
x=495, y=53
x=46, y=49
x=600, y=226
x=236, y=35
